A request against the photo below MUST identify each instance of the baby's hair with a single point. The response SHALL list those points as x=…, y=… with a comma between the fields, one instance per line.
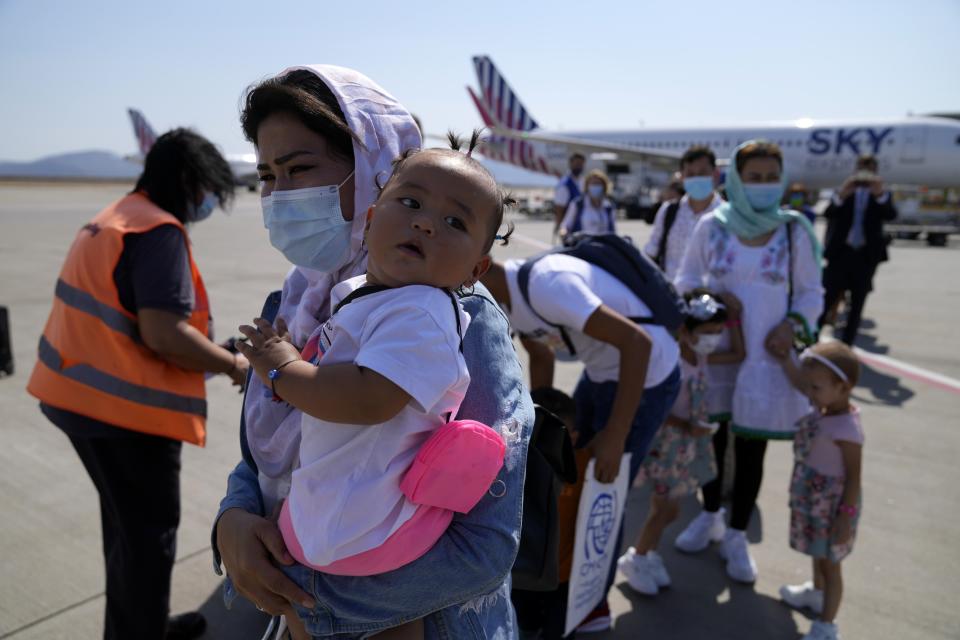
x=691, y=321
x=503, y=198
x=841, y=356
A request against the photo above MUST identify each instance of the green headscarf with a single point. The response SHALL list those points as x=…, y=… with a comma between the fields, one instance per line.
x=743, y=221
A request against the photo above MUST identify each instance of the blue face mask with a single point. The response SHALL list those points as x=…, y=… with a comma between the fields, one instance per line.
x=596, y=191
x=763, y=196
x=307, y=226
x=698, y=187
x=204, y=210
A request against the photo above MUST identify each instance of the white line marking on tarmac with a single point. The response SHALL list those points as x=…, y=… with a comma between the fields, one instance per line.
x=882, y=362
x=533, y=242
x=910, y=371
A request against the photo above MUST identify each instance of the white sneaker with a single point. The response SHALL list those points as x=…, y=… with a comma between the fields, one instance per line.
x=705, y=528
x=734, y=549
x=639, y=571
x=821, y=630
x=660, y=574
x=803, y=596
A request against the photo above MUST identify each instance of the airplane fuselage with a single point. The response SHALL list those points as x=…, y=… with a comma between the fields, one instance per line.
x=914, y=150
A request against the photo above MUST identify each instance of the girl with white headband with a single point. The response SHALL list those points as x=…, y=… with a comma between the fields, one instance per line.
x=825, y=490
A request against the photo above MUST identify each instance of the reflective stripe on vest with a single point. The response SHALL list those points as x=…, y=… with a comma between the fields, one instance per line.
x=91, y=358
x=107, y=383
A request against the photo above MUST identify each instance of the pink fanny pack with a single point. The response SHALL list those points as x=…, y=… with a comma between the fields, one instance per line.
x=455, y=466
x=452, y=471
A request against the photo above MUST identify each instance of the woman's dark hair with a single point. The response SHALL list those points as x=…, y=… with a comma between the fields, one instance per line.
x=179, y=168
x=759, y=149
x=691, y=322
x=307, y=97
x=503, y=199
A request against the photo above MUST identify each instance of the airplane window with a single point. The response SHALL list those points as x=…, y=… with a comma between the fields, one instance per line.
x=958, y=139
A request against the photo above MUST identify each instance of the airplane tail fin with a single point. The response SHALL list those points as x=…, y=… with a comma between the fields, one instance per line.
x=500, y=108
x=502, y=103
x=142, y=131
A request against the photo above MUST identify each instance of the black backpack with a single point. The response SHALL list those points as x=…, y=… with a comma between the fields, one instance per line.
x=620, y=258
x=550, y=463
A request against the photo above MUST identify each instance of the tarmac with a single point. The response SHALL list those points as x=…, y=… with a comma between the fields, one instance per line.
x=902, y=582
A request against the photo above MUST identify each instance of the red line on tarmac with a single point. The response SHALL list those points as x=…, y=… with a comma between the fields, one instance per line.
x=910, y=371
x=881, y=362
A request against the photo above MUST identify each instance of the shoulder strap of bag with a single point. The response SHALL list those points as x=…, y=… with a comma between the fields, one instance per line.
x=668, y=219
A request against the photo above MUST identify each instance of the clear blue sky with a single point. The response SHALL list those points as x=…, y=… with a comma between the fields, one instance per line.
x=69, y=69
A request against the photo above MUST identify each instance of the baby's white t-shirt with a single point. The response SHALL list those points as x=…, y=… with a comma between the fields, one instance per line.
x=566, y=291
x=345, y=496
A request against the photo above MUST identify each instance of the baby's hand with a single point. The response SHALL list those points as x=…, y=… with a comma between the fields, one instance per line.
x=842, y=529
x=267, y=349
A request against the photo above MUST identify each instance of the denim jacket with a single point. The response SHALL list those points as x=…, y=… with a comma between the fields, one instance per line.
x=462, y=585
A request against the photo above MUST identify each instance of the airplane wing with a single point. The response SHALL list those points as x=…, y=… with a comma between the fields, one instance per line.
x=655, y=157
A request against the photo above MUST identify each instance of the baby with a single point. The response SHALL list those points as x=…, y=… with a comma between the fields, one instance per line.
x=385, y=374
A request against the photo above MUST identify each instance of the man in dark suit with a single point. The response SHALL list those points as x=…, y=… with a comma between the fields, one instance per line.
x=855, y=243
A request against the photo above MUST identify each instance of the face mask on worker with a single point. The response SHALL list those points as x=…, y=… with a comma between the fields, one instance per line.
x=205, y=209
x=596, y=191
x=307, y=226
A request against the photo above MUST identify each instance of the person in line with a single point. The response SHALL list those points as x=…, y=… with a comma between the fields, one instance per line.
x=855, y=243
x=681, y=459
x=314, y=128
x=121, y=371
x=675, y=220
x=591, y=212
x=569, y=188
x=825, y=496
x=797, y=197
x=770, y=259
x=356, y=506
x=631, y=372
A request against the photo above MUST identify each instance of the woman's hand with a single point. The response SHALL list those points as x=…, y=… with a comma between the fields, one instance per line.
x=249, y=545
x=780, y=340
x=842, y=529
x=268, y=349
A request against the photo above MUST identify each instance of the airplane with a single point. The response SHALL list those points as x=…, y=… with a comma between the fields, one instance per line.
x=243, y=165
x=915, y=150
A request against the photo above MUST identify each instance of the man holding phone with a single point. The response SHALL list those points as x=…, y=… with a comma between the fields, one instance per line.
x=855, y=243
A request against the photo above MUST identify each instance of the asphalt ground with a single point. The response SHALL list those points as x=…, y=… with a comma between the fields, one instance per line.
x=902, y=581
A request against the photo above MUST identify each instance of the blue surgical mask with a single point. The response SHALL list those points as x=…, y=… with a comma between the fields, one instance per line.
x=203, y=210
x=307, y=226
x=763, y=196
x=596, y=191
x=698, y=187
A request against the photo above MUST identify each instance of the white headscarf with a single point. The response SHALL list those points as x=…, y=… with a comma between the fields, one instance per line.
x=385, y=129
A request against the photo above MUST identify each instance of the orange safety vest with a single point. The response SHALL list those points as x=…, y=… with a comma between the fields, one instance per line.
x=92, y=360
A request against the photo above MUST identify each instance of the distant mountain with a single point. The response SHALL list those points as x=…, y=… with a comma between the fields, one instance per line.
x=80, y=164
x=105, y=164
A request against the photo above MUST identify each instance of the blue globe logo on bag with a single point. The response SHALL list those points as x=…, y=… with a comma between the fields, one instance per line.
x=600, y=523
